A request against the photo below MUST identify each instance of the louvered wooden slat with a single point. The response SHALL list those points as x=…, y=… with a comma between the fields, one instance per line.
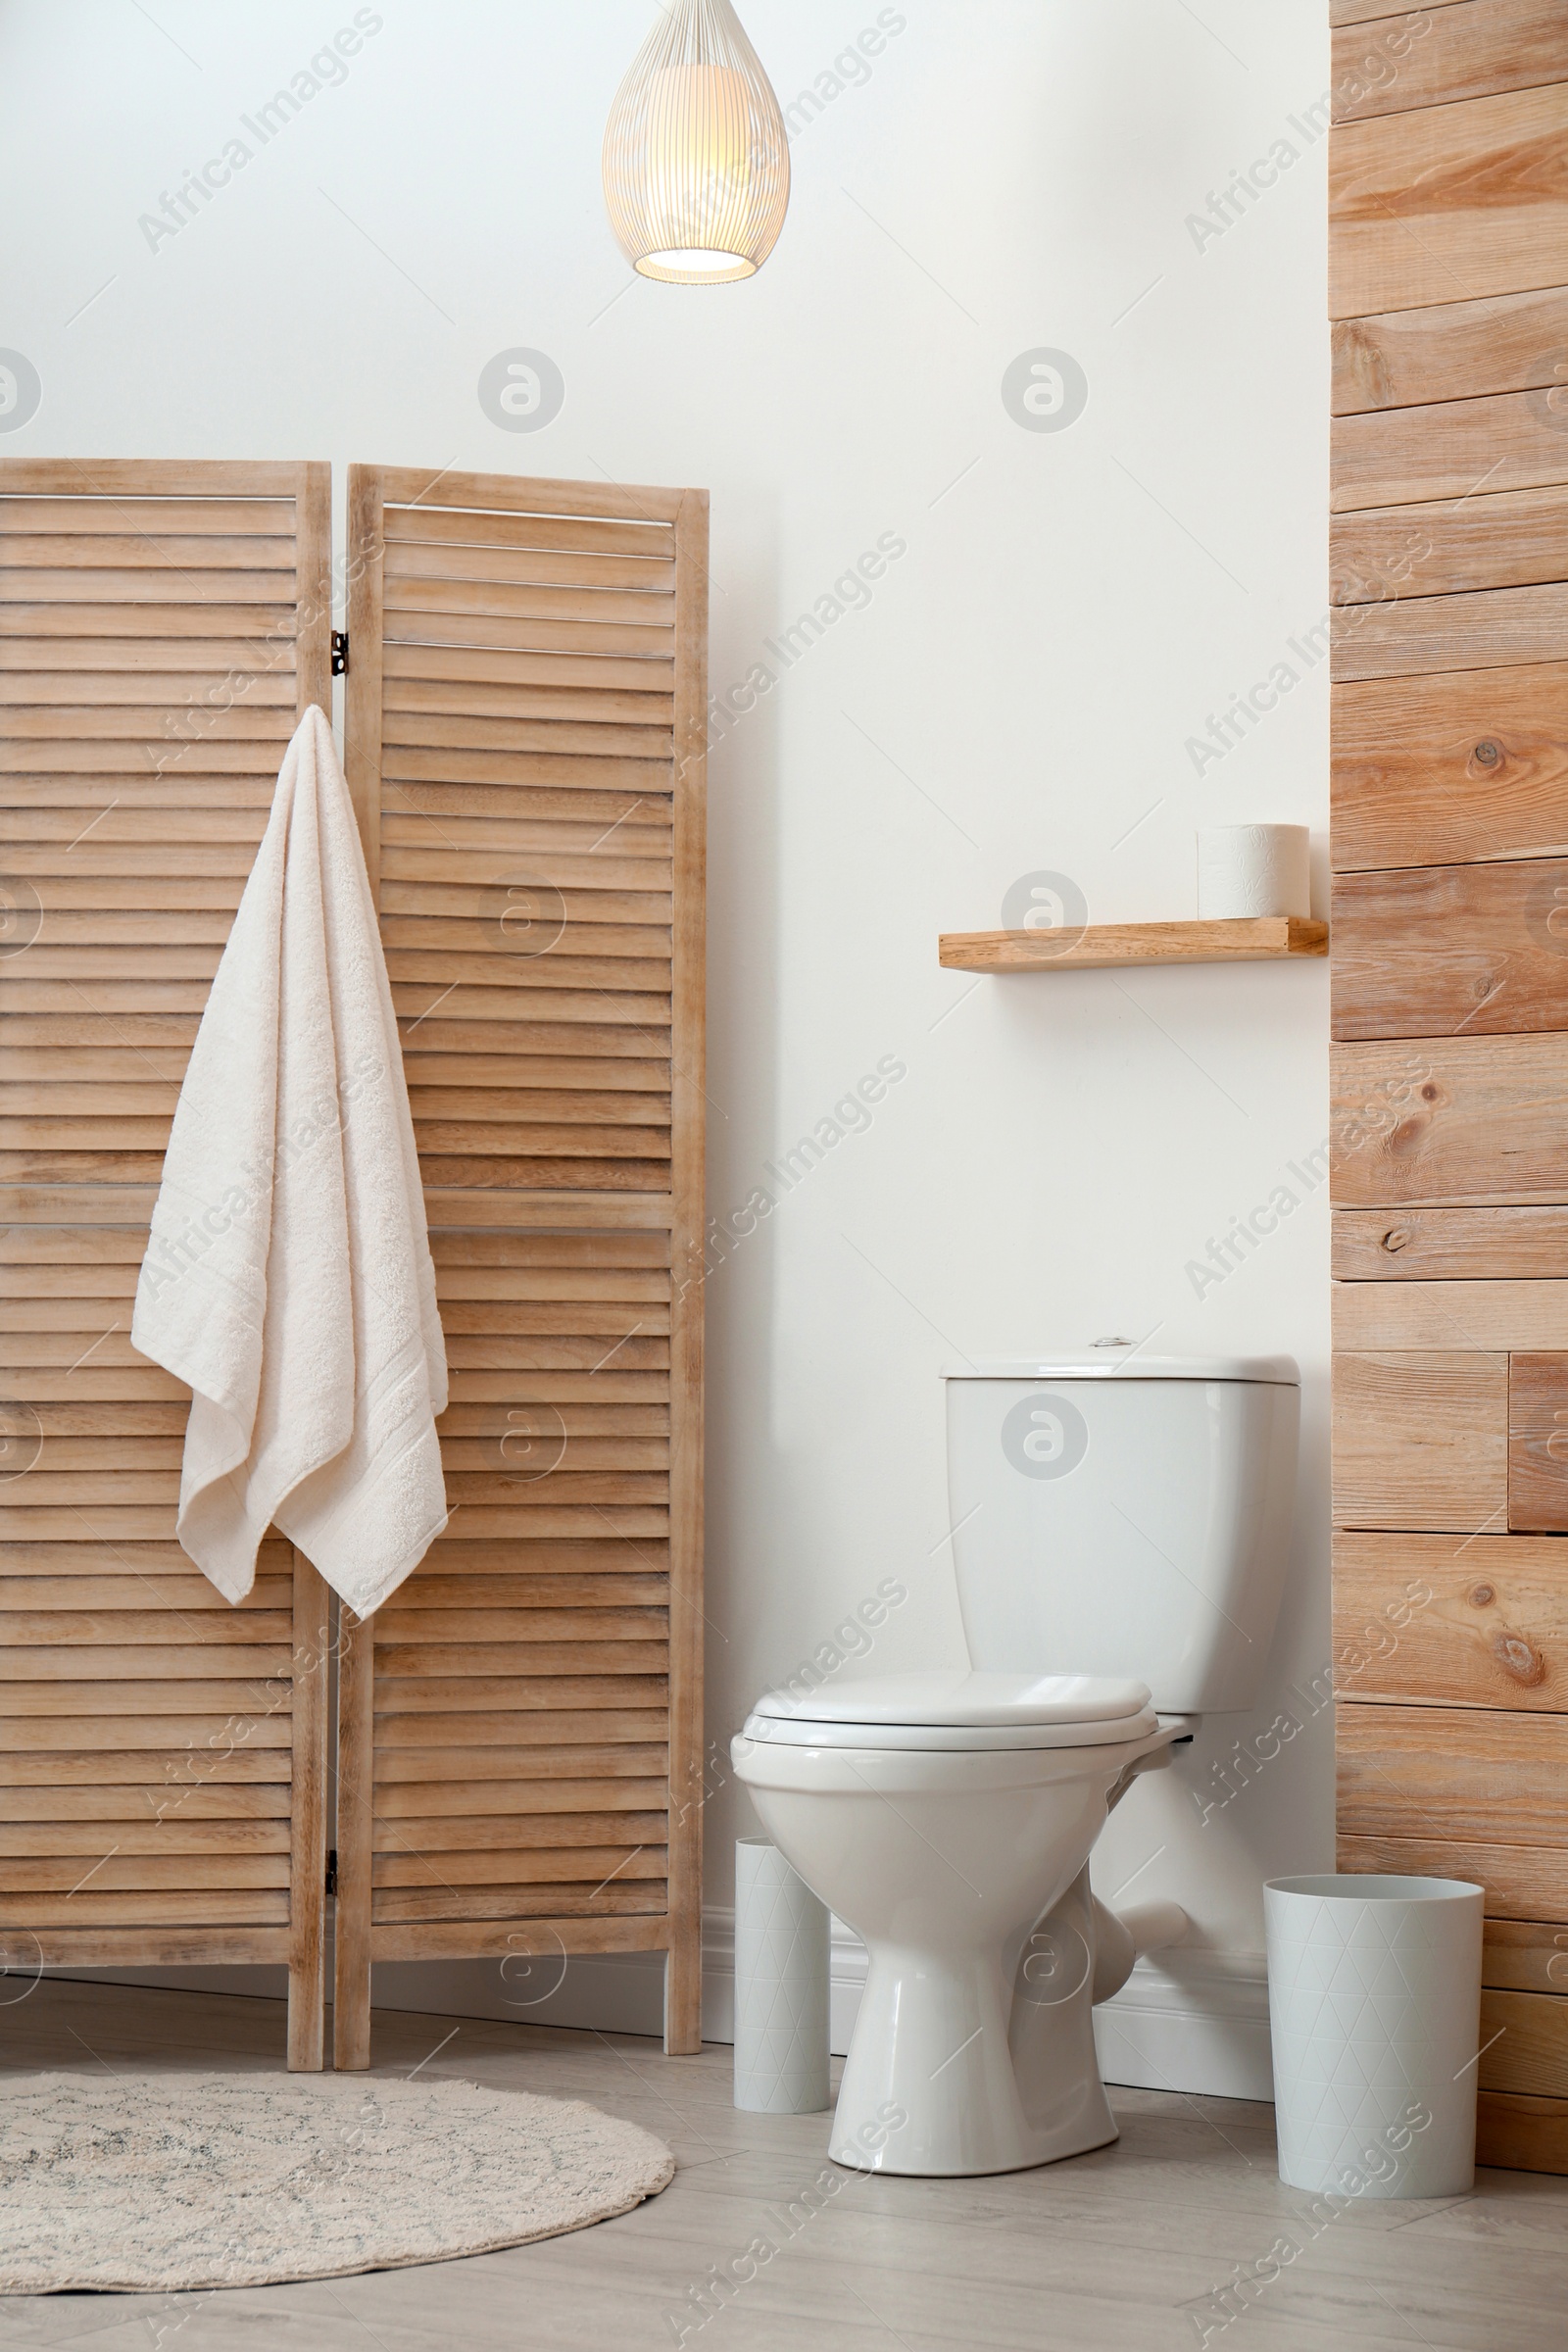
x=543, y=1864
x=603, y=812
x=585, y=764
x=32, y=585
x=635, y=831
x=499, y=685
x=199, y=1743
x=176, y=684
x=427, y=523
x=256, y=1806
x=269, y=623
x=161, y=1755
x=52, y=661
x=410, y=569
x=456, y=1734
x=647, y=674
x=545, y=1899
x=149, y=519
x=525, y=737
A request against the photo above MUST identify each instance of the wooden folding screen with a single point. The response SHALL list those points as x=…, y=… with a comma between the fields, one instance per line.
x=161, y=1755
x=1448, y=249
x=520, y=1727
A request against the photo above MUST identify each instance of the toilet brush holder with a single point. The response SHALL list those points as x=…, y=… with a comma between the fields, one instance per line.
x=781, y=1987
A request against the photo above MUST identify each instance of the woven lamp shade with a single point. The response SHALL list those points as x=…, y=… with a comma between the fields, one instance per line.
x=697, y=162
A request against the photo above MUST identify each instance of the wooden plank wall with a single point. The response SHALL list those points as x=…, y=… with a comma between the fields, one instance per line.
x=525, y=736
x=161, y=1755
x=1449, y=251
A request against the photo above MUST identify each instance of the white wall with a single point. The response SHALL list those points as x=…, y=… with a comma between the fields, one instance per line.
x=1017, y=695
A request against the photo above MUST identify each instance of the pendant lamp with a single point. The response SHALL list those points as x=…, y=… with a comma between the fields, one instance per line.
x=697, y=162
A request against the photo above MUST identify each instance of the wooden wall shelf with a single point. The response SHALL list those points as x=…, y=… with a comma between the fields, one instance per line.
x=1259, y=939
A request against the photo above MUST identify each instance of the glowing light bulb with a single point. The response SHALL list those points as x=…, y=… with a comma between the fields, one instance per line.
x=697, y=160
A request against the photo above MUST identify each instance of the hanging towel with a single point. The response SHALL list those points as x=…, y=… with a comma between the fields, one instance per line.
x=288, y=1278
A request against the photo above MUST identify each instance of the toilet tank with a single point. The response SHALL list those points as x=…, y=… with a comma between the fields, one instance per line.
x=1121, y=1514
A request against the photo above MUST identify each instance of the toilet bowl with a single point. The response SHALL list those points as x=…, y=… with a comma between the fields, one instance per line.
x=948, y=1820
x=1119, y=1531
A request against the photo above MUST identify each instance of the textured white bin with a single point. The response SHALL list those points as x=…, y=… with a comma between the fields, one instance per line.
x=781, y=1986
x=1374, y=1990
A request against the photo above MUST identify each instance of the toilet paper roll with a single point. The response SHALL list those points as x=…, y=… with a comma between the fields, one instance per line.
x=1254, y=869
x=781, y=1987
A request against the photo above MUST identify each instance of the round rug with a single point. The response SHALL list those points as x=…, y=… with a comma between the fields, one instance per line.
x=178, y=2181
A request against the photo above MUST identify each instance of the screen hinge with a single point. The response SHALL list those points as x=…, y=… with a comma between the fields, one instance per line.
x=340, y=653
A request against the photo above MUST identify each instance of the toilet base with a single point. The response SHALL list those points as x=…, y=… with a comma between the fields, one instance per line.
x=965, y=2063
x=974, y=2049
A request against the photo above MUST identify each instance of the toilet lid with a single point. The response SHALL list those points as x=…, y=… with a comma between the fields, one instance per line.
x=957, y=1709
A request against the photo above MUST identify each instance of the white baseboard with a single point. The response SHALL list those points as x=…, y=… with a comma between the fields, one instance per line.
x=611, y=1993
x=1185, y=2021
x=1192, y=2020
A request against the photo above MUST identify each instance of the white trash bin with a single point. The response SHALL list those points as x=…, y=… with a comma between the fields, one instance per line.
x=1374, y=1992
x=781, y=1987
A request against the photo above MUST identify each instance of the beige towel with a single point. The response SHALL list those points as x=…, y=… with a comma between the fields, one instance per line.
x=288, y=1278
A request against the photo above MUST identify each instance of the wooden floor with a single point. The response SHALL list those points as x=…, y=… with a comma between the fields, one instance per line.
x=1116, y=2252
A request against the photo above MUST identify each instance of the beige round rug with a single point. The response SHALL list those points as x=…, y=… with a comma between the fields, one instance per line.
x=177, y=2181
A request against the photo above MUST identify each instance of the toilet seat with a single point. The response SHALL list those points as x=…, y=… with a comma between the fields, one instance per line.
x=965, y=1874
x=966, y=1712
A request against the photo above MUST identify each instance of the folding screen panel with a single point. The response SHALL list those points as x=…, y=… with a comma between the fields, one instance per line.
x=1449, y=242
x=161, y=1755
x=525, y=739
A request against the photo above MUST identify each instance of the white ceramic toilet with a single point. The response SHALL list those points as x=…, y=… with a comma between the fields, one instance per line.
x=1120, y=1532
